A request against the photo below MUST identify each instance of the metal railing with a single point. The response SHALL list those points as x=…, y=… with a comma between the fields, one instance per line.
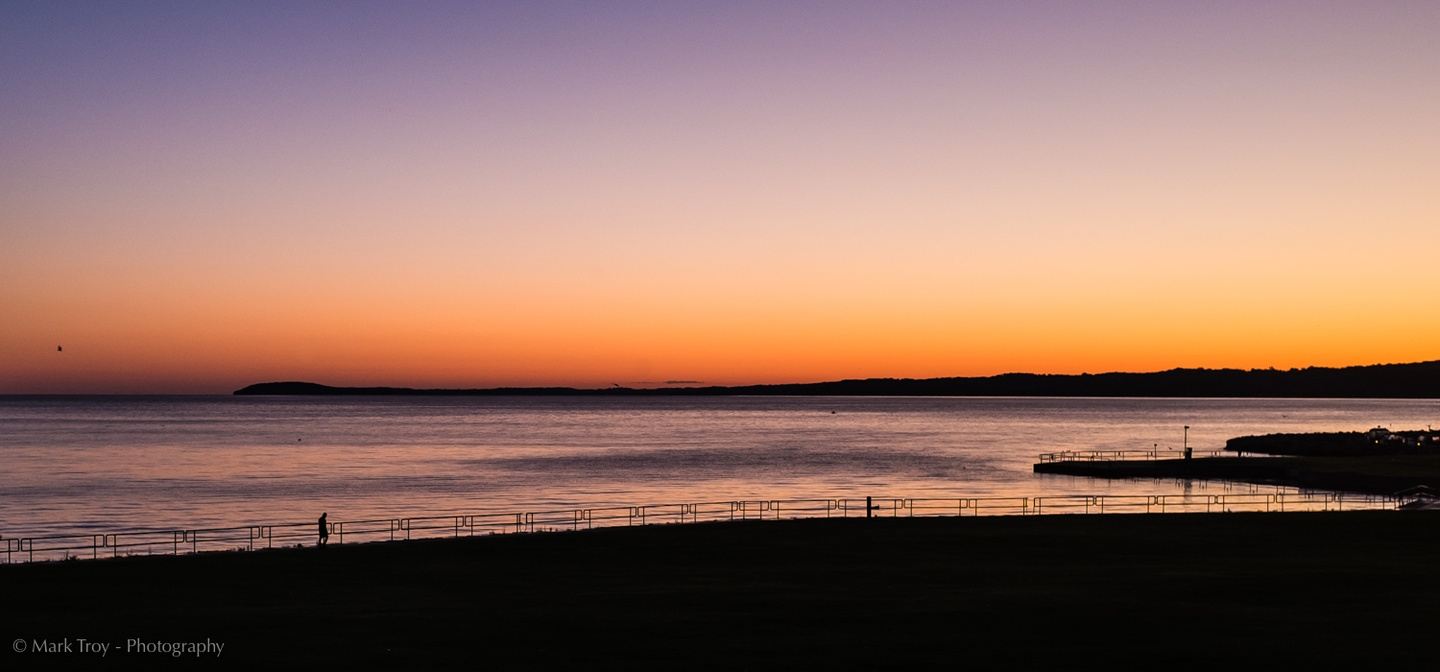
x=1118, y=455
x=254, y=537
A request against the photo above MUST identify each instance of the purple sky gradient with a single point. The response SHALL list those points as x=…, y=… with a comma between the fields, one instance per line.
x=485, y=193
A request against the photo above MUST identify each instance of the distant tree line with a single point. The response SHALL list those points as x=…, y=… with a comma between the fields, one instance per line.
x=1419, y=381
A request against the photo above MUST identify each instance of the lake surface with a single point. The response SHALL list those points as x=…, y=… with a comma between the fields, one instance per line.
x=80, y=464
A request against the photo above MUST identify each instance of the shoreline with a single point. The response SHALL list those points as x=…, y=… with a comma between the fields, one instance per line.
x=1407, y=380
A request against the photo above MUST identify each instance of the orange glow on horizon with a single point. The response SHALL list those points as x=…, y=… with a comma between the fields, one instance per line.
x=734, y=196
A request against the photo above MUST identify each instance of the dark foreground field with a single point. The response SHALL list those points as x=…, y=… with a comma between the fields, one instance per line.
x=1134, y=591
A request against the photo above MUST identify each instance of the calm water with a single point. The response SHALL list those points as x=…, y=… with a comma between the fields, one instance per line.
x=82, y=463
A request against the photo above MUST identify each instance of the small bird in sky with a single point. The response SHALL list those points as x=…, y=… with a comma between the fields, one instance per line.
x=59, y=348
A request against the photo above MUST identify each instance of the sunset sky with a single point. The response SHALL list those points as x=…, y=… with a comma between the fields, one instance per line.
x=196, y=196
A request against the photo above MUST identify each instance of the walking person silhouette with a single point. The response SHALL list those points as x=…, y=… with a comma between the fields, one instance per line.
x=324, y=530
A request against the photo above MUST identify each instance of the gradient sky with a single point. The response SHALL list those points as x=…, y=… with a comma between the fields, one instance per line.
x=197, y=196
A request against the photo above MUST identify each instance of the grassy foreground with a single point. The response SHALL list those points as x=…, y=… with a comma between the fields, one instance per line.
x=1131, y=591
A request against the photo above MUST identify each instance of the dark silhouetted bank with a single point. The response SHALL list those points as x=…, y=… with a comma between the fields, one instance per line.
x=1381, y=381
x=1161, y=592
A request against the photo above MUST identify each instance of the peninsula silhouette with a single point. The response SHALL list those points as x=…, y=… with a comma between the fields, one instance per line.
x=1419, y=380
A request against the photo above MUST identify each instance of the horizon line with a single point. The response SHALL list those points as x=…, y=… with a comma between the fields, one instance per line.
x=683, y=385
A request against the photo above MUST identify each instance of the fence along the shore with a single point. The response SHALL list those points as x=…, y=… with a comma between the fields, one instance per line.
x=253, y=537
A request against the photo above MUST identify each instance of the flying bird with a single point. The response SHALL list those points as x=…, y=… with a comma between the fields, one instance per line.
x=59, y=348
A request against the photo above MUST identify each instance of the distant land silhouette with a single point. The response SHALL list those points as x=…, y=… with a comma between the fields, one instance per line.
x=1418, y=381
